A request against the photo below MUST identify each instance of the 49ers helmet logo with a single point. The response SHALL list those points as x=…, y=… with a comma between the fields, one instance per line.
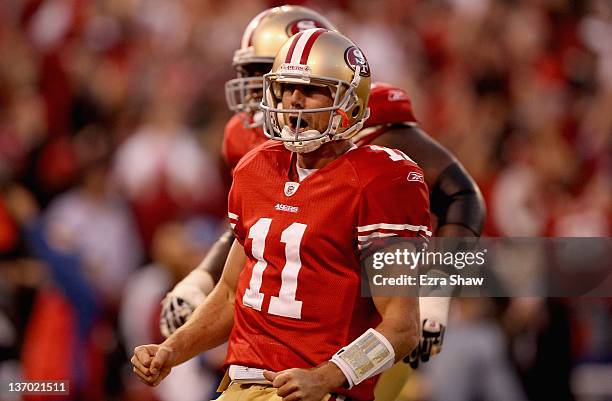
x=302, y=25
x=353, y=57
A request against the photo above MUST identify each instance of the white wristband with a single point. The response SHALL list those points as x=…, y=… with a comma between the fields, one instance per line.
x=370, y=354
x=195, y=287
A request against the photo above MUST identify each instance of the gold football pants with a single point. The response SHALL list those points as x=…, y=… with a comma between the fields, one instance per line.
x=252, y=392
x=391, y=382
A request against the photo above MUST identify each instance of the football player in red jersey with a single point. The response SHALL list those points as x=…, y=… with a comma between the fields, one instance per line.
x=289, y=276
x=455, y=198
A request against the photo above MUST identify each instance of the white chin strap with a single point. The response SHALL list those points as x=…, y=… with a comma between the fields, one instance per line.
x=306, y=145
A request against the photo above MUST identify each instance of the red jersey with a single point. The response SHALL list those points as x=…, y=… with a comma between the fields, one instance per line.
x=239, y=140
x=298, y=297
x=388, y=105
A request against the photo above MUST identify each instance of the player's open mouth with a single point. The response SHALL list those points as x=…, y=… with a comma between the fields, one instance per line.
x=253, y=96
x=293, y=121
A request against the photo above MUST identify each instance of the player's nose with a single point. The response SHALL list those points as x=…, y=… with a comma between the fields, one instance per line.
x=297, y=98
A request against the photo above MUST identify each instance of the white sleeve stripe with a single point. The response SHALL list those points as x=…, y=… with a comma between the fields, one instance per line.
x=232, y=216
x=363, y=238
x=427, y=232
x=387, y=226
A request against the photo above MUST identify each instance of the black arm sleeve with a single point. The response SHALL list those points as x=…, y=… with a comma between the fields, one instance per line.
x=456, y=199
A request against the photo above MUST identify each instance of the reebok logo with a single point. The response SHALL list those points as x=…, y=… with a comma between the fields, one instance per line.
x=397, y=95
x=418, y=177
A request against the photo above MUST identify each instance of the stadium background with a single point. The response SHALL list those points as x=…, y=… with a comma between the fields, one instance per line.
x=111, y=120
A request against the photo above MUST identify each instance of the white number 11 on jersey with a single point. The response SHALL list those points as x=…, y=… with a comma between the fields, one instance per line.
x=285, y=304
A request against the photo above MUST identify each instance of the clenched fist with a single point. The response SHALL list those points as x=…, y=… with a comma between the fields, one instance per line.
x=152, y=363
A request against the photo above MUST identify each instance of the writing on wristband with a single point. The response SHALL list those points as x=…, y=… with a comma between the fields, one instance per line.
x=370, y=354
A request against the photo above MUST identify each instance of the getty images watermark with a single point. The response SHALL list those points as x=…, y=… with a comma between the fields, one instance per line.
x=410, y=258
x=489, y=267
x=420, y=267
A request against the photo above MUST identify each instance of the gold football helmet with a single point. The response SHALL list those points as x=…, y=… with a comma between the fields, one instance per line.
x=322, y=58
x=262, y=39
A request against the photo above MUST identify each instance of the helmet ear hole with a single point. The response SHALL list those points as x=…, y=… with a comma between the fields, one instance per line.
x=356, y=111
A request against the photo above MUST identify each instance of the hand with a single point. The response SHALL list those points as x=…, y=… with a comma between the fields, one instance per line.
x=430, y=343
x=152, y=363
x=306, y=384
x=185, y=297
x=175, y=313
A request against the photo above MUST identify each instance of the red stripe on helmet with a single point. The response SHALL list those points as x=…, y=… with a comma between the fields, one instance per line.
x=309, y=44
x=292, y=47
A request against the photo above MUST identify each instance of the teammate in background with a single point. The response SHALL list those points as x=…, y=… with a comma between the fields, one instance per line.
x=288, y=276
x=455, y=198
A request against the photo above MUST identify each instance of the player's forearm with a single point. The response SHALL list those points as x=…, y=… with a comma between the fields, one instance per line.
x=209, y=326
x=400, y=324
x=212, y=321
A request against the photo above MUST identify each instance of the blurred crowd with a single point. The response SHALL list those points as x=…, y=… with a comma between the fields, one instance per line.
x=112, y=187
